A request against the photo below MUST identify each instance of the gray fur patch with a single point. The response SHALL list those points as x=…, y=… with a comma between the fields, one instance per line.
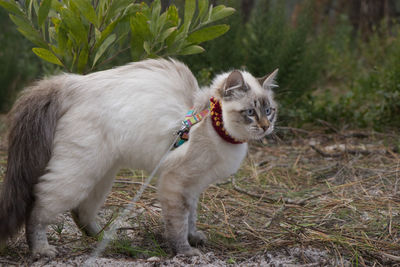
x=33, y=121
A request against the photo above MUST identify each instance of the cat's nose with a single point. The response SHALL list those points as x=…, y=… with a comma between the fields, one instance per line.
x=264, y=124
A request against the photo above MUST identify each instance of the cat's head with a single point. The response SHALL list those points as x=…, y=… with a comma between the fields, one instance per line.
x=248, y=107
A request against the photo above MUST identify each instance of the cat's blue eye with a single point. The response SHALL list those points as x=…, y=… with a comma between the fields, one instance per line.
x=250, y=112
x=268, y=111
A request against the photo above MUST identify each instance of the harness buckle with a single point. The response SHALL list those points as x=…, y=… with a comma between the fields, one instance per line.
x=184, y=128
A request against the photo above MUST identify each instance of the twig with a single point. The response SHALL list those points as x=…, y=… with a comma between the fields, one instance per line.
x=335, y=155
x=223, y=183
x=355, y=134
x=303, y=202
x=9, y=262
x=324, y=154
x=226, y=220
x=390, y=256
x=130, y=182
x=327, y=124
x=293, y=129
x=113, y=57
x=254, y=233
x=275, y=216
x=240, y=190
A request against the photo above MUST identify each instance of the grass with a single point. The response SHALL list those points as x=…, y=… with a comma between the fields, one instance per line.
x=288, y=194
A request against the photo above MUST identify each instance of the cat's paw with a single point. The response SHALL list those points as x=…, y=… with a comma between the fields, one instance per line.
x=45, y=251
x=92, y=229
x=190, y=252
x=197, y=238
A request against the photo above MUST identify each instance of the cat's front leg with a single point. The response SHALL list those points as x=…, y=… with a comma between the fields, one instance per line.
x=196, y=237
x=175, y=208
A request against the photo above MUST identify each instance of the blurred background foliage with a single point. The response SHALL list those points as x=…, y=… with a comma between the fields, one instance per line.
x=339, y=60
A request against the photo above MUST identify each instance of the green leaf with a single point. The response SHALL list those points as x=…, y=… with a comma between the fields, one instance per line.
x=83, y=59
x=115, y=7
x=26, y=29
x=130, y=11
x=155, y=10
x=193, y=49
x=73, y=7
x=74, y=25
x=146, y=47
x=167, y=33
x=110, y=39
x=22, y=23
x=190, y=7
x=203, y=6
x=27, y=3
x=208, y=33
x=36, y=7
x=162, y=23
x=43, y=11
x=62, y=39
x=220, y=12
x=56, y=5
x=107, y=31
x=29, y=8
x=46, y=55
x=87, y=10
x=172, y=15
x=139, y=26
x=97, y=35
x=12, y=7
x=33, y=38
x=140, y=33
x=155, y=15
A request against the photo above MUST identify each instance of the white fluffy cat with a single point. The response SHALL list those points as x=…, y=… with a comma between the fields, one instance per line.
x=70, y=134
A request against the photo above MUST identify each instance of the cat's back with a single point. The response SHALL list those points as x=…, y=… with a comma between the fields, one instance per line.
x=157, y=79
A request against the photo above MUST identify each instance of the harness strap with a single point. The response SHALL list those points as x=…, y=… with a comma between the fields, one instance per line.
x=191, y=119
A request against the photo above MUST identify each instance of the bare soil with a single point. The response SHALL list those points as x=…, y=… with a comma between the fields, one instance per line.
x=302, y=198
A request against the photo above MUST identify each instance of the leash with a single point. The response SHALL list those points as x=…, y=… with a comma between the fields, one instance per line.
x=109, y=234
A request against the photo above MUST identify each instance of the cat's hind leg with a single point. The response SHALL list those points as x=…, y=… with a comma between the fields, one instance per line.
x=85, y=213
x=68, y=183
x=35, y=231
x=51, y=199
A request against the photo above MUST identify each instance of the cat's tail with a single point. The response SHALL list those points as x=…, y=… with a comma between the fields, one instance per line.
x=32, y=125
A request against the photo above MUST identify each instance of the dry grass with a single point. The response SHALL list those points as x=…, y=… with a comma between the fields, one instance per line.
x=295, y=192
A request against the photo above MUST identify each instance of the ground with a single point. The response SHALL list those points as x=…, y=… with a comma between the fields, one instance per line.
x=302, y=198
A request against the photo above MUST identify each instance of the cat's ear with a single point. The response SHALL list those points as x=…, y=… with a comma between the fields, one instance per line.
x=234, y=85
x=268, y=81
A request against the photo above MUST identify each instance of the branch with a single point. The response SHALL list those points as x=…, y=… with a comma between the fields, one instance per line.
x=240, y=190
x=111, y=58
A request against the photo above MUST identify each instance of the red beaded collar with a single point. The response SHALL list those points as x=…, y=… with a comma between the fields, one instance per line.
x=217, y=122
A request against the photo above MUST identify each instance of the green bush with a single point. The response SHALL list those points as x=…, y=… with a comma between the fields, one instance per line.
x=366, y=81
x=17, y=64
x=273, y=42
x=224, y=53
x=80, y=35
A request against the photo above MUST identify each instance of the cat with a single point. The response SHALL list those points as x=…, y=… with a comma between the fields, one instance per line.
x=70, y=134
